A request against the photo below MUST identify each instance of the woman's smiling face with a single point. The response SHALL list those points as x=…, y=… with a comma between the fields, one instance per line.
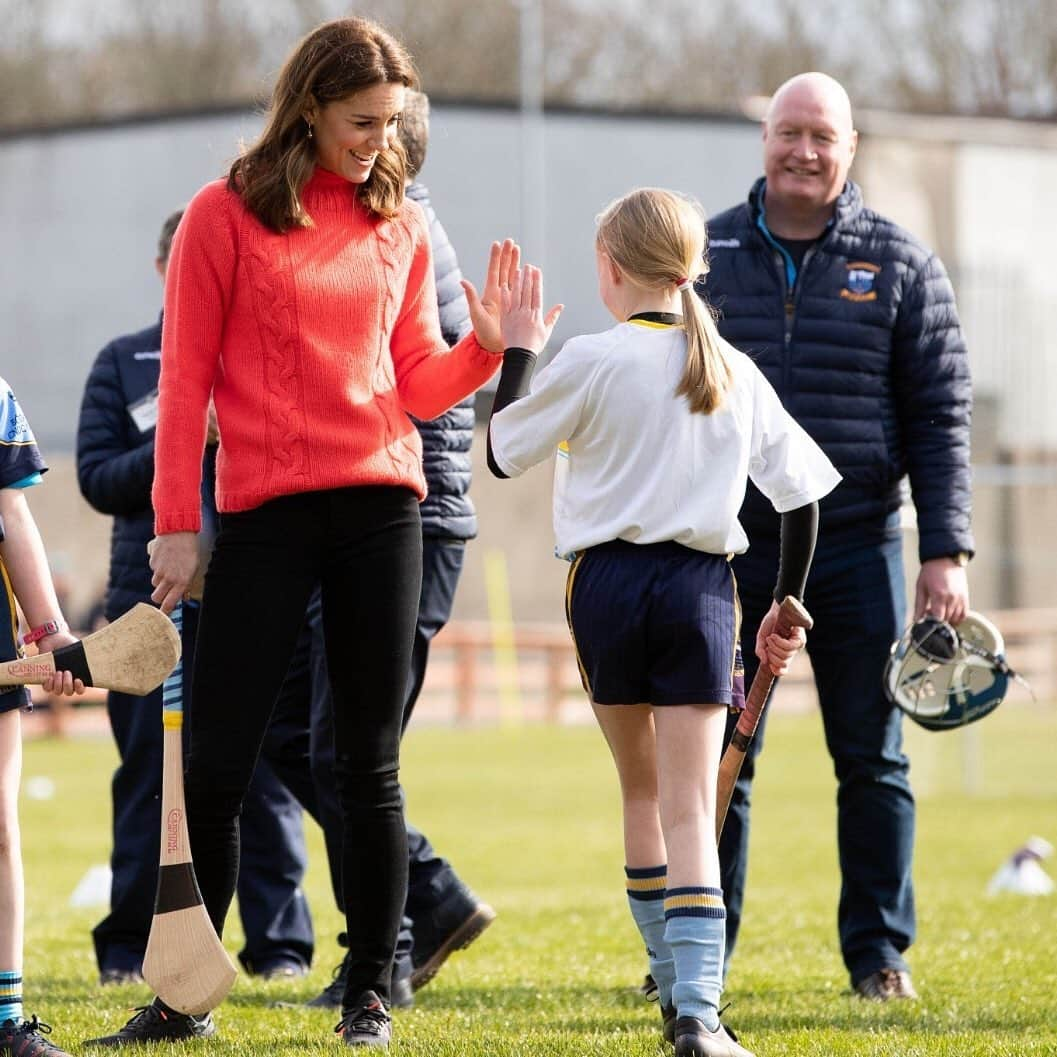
x=350, y=133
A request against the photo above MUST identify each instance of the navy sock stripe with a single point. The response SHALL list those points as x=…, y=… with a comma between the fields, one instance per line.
x=694, y=912
x=645, y=871
x=646, y=884
x=10, y=996
x=695, y=901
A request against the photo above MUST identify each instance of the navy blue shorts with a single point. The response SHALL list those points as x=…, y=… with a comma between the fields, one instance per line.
x=655, y=623
x=11, y=697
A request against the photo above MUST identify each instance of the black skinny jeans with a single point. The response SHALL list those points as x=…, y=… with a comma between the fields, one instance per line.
x=363, y=546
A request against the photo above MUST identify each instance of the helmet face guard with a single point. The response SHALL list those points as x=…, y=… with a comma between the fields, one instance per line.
x=943, y=676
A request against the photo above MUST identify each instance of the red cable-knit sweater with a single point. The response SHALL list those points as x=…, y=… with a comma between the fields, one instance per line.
x=315, y=345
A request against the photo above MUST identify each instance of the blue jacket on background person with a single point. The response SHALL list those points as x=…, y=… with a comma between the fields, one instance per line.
x=883, y=376
x=115, y=458
x=854, y=323
x=447, y=511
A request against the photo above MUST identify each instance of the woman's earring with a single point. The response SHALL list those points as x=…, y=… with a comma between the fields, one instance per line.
x=309, y=124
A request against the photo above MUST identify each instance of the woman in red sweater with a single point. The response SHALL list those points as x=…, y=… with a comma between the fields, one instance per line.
x=300, y=297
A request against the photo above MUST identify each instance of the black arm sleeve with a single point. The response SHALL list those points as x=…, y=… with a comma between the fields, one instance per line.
x=799, y=531
x=514, y=380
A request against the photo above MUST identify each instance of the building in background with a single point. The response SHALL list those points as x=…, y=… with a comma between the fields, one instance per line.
x=79, y=209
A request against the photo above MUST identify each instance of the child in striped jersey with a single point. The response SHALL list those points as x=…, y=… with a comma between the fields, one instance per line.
x=26, y=579
x=661, y=423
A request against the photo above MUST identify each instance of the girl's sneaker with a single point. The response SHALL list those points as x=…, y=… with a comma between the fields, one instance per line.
x=25, y=1038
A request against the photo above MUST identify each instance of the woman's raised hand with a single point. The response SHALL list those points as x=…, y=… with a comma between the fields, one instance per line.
x=485, y=310
x=522, y=323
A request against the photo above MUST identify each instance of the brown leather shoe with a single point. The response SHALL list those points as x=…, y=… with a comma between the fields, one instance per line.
x=885, y=985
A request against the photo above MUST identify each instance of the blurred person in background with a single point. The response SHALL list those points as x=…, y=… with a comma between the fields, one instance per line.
x=115, y=471
x=854, y=322
x=300, y=299
x=442, y=914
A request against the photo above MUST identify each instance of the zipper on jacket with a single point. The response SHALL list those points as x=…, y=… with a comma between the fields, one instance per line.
x=789, y=316
x=792, y=305
x=790, y=292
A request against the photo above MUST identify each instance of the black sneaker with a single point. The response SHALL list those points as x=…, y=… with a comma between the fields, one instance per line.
x=154, y=1024
x=429, y=957
x=367, y=1024
x=693, y=1039
x=333, y=994
x=25, y=1038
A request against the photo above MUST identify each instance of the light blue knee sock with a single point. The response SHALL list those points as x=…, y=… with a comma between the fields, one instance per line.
x=646, y=886
x=11, y=995
x=695, y=930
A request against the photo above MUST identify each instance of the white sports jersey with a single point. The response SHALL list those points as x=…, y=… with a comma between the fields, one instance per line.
x=640, y=466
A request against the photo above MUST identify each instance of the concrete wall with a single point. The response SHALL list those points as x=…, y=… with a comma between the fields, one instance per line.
x=80, y=213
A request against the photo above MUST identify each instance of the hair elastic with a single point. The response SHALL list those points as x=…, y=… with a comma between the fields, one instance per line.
x=683, y=283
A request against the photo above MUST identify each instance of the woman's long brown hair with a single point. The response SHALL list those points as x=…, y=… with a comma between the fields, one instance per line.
x=334, y=61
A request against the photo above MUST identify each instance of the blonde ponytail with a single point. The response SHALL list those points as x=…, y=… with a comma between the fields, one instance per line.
x=706, y=376
x=657, y=238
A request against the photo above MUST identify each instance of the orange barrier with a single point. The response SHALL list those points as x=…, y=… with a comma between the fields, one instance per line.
x=463, y=679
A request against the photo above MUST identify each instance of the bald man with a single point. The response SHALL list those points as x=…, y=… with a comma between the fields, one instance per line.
x=853, y=321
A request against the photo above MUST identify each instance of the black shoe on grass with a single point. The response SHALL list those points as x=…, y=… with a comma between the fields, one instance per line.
x=693, y=1039
x=333, y=994
x=430, y=956
x=366, y=1024
x=154, y=1024
x=25, y=1038
x=401, y=993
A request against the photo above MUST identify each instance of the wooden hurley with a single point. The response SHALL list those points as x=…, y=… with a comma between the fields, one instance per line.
x=185, y=962
x=133, y=655
x=791, y=614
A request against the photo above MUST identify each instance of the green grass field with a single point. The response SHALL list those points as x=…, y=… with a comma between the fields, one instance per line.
x=530, y=818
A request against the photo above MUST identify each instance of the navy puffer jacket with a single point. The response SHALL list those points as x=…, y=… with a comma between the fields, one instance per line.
x=866, y=352
x=447, y=510
x=115, y=458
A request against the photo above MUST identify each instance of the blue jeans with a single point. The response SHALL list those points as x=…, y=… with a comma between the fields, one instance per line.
x=856, y=596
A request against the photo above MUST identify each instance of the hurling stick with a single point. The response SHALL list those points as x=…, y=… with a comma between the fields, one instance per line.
x=133, y=655
x=791, y=614
x=185, y=962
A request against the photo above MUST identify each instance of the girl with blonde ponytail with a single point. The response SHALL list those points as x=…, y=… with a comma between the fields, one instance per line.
x=659, y=423
x=657, y=239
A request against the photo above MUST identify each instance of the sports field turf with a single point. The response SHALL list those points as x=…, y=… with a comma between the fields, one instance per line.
x=530, y=817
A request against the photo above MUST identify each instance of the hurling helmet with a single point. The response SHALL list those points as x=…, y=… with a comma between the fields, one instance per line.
x=945, y=676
